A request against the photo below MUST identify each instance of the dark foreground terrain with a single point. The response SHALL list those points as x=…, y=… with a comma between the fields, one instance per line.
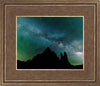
x=47, y=60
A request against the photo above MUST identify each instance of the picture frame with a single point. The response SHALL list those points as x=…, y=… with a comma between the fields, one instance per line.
x=9, y=76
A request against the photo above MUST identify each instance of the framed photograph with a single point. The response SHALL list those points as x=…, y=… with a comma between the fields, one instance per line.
x=49, y=43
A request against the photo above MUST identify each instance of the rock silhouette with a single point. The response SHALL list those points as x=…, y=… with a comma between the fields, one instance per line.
x=47, y=60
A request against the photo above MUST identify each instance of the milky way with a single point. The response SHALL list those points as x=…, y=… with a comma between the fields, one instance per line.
x=61, y=34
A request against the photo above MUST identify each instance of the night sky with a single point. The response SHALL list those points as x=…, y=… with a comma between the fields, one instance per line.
x=35, y=34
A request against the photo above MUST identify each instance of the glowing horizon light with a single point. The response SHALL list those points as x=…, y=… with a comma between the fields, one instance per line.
x=79, y=53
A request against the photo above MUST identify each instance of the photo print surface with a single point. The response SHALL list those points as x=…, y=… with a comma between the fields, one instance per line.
x=50, y=42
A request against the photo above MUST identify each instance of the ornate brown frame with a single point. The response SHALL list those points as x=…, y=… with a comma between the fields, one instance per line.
x=9, y=76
